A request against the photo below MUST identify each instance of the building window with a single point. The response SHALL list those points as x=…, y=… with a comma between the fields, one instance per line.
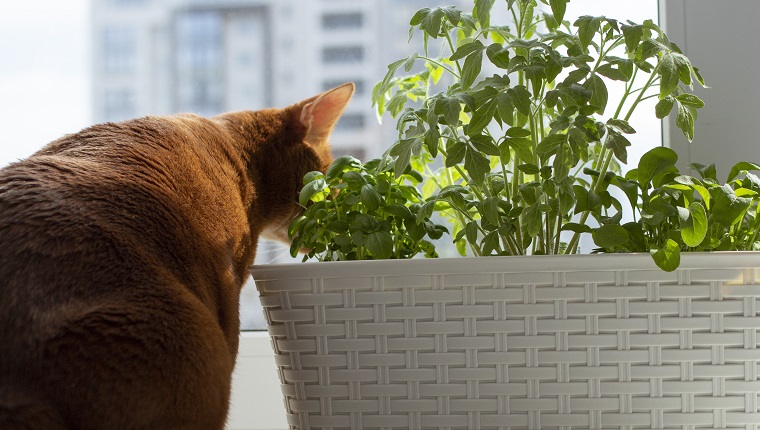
x=119, y=46
x=120, y=3
x=343, y=54
x=357, y=152
x=200, y=62
x=119, y=105
x=360, y=86
x=342, y=21
x=350, y=122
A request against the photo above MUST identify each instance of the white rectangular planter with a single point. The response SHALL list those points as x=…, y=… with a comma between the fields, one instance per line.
x=551, y=342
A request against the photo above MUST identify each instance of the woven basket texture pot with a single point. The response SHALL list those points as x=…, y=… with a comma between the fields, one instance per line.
x=549, y=342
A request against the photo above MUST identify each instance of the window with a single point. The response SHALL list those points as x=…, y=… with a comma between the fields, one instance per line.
x=350, y=122
x=341, y=21
x=343, y=54
x=357, y=152
x=119, y=50
x=200, y=62
x=118, y=105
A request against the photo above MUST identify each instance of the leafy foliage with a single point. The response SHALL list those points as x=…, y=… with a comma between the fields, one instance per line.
x=527, y=152
x=676, y=213
x=362, y=212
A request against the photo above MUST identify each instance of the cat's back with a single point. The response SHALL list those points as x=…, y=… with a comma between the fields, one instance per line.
x=99, y=232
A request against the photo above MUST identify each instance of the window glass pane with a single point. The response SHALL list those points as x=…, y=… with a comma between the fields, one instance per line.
x=343, y=54
x=119, y=49
x=338, y=21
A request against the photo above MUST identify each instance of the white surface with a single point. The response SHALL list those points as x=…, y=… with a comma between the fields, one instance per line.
x=719, y=38
x=257, y=402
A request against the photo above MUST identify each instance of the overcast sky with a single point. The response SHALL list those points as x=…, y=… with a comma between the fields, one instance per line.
x=44, y=67
x=44, y=84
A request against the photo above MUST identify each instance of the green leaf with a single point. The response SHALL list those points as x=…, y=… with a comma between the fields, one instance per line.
x=499, y=55
x=599, y=94
x=491, y=243
x=340, y=165
x=694, y=228
x=558, y=9
x=431, y=23
x=629, y=187
x=727, y=208
x=610, y=236
x=664, y=106
x=520, y=97
x=739, y=167
x=690, y=100
x=484, y=144
x=607, y=70
x=450, y=108
x=482, y=117
x=491, y=210
x=311, y=190
x=633, y=35
x=587, y=28
x=705, y=172
x=477, y=165
x=619, y=144
x=655, y=161
x=455, y=153
x=576, y=228
x=532, y=219
x=370, y=198
x=467, y=49
x=471, y=231
x=667, y=258
x=483, y=12
x=379, y=244
x=403, y=151
x=550, y=144
x=668, y=72
x=471, y=69
x=685, y=120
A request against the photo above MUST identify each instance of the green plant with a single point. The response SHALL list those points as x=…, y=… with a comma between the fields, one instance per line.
x=362, y=212
x=675, y=212
x=526, y=150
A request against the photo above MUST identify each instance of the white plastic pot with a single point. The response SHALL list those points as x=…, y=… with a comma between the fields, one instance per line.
x=541, y=342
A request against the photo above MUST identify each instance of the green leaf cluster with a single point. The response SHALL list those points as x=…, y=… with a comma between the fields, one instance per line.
x=677, y=213
x=358, y=211
x=526, y=150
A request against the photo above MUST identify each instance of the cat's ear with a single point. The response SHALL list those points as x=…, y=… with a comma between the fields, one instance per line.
x=319, y=114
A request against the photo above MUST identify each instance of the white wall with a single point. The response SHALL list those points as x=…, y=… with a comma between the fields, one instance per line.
x=719, y=37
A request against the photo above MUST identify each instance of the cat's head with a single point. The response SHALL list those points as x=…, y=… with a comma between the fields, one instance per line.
x=308, y=124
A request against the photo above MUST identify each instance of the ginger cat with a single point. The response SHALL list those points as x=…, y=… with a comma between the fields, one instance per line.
x=123, y=250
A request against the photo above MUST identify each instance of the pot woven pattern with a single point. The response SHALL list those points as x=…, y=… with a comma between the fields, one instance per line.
x=515, y=350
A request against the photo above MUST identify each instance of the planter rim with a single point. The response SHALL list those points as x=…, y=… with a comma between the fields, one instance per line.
x=509, y=264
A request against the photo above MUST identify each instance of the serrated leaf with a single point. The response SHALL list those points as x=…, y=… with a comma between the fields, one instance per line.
x=483, y=12
x=619, y=144
x=669, y=77
x=477, y=165
x=664, y=106
x=599, y=94
x=685, y=120
x=455, y=152
x=587, y=28
x=499, y=55
x=450, y=108
x=471, y=69
x=484, y=144
x=467, y=49
x=558, y=9
x=520, y=97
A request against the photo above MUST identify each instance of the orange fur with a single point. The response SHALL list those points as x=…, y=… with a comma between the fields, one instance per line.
x=123, y=249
